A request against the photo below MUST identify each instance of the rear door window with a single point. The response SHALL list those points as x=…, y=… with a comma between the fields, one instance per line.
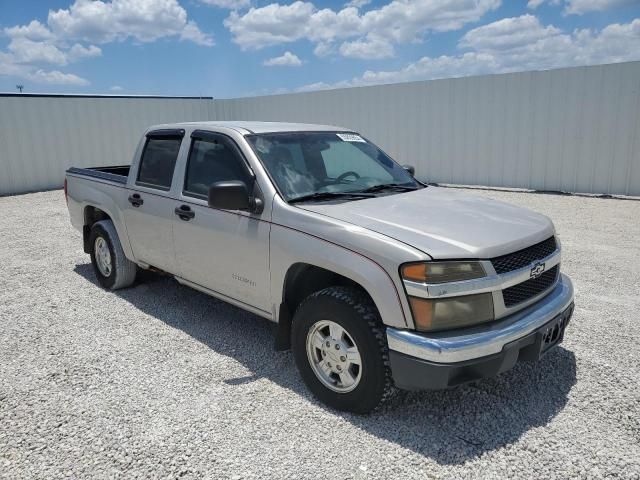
x=158, y=162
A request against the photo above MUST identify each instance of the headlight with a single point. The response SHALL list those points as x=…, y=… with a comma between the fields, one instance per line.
x=452, y=312
x=442, y=272
x=431, y=314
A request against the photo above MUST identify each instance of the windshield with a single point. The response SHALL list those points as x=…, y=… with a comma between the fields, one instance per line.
x=307, y=163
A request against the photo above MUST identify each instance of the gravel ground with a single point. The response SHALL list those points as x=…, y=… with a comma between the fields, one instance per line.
x=162, y=381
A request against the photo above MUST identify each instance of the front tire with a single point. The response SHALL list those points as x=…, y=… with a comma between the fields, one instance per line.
x=340, y=348
x=112, y=268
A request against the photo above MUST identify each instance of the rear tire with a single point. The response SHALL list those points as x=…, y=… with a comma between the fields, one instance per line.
x=112, y=268
x=349, y=314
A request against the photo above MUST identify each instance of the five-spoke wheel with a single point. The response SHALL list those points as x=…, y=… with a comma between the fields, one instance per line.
x=340, y=348
x=113, y=269
x=334, y=356
x=103, y=256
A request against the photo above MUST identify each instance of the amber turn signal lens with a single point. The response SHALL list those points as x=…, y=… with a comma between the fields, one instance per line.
x=416, y=272
x=442, y=272
x=422, y=313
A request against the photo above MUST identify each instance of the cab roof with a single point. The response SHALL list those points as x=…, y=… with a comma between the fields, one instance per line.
x=257, y=127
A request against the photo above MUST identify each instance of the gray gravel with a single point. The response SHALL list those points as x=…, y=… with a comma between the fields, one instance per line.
x=162, y=381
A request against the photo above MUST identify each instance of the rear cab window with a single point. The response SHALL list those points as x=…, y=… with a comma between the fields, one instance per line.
x=158, y=160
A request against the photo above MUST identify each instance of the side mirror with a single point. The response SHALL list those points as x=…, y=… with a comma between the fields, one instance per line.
x=411, y=169
x=233, y=195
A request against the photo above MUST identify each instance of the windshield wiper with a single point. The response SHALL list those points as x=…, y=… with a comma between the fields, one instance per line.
x=330, y=195
x=388, y=186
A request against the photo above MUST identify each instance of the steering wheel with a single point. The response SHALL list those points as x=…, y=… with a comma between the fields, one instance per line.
x=345, y=175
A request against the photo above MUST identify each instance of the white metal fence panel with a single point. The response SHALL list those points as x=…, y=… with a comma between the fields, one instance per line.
x=574, y=129
x=41, y=136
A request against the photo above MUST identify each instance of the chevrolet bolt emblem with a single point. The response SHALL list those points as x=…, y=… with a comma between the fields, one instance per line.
x=537, y=270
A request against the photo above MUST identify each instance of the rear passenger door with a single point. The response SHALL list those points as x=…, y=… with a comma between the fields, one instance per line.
x=226, y=251
x=149, y=214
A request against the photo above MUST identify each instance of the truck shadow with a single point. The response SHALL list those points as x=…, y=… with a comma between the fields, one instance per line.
x=451, y=426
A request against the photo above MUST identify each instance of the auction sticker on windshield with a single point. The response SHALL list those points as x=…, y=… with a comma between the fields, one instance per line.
x=350, y=137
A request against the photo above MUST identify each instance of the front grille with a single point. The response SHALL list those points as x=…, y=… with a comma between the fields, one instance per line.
x=524, y=257
x=530, y=288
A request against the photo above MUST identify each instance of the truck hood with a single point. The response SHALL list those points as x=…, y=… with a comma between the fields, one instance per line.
x=445, y=223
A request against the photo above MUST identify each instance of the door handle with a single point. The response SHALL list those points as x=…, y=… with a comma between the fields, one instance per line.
x=184, y=212
x=135, y=200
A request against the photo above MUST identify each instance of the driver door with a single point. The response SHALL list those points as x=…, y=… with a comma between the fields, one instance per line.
x=226, y=251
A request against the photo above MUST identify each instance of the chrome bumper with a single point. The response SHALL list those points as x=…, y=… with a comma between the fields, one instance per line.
x=470, y=343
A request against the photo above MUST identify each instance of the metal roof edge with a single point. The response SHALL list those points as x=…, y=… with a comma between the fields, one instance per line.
x=90, y=95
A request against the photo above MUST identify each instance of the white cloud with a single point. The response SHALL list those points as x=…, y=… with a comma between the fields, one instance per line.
x=9, y=67
x=287, y=59
x=270, y=25
x=230, y=4
x=399, y=21
x=615, y=43
x=404, y=20
x=33, y=45
x=27, y=72
x=192, y=33
x=312, y=87
x=508, y=33
x=514, y=44
x=324, y=49
x=533, y=4
x=369, y=47
x=77, y=52
x=33, y=31
x=143, y=20
x=57, y=78
x=357, y=3
x=69, y=33
x=523, y=43
x=579, y=7
x=29, y=51
x=24, y=50
x=430, y=68
x=116, y=88
x=582, y=6
x=100, y=21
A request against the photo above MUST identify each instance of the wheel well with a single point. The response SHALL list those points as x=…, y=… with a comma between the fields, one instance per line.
x=91, y=216
x=302, y=280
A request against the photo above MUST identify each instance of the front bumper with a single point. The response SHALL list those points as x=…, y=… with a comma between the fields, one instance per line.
x=444, y=359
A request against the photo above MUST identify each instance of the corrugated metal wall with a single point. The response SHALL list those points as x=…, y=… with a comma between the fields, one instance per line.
x=41, y=136
x=574, y=129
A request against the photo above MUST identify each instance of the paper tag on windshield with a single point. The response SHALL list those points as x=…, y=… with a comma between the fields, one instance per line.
x=350, y=137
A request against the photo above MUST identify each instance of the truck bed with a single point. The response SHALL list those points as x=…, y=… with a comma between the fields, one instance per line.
x=116, y=174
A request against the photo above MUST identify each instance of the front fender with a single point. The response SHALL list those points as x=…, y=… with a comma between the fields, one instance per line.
x=290, y=246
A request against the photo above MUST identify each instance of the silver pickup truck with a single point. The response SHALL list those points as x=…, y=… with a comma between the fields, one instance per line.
x=373, y=279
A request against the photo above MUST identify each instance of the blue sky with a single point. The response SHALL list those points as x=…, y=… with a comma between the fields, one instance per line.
x=231, y=48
